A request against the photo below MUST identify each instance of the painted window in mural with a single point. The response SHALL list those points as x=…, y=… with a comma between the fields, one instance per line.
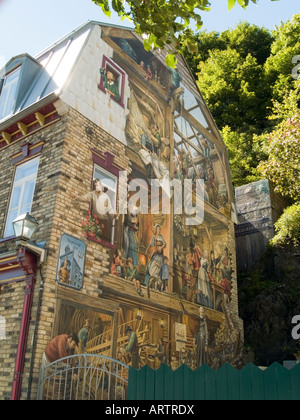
x=22, y=193
x=109, y=184
x=99, y=224
x=195, y=154
x=112, y=80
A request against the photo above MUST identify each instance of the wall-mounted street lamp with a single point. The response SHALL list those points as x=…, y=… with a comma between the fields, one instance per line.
x=25, y=226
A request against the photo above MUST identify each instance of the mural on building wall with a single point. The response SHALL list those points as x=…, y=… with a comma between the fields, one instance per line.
x=70, y=263
x=155, y=257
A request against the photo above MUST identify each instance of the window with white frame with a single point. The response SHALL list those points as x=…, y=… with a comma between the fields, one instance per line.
x=8, y=94
x=22, y=193
x=110, y=184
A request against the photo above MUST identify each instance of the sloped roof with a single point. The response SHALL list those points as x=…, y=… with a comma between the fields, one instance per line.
x=46, y=74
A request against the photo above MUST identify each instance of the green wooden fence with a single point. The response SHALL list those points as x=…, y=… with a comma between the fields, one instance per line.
x=227, y=383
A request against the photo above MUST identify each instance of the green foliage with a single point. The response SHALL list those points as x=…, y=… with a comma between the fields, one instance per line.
x=163, y=21
x=243, y=156
x=288, y=227
x=283, y=164
x=279, y=65
x=282, y=147
x=233, y=89
x=242, y=3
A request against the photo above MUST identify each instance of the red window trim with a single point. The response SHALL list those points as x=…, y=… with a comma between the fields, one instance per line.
x=106, y=161
x=105, y=61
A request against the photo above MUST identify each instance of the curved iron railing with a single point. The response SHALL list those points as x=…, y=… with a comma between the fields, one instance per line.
x=83, y=377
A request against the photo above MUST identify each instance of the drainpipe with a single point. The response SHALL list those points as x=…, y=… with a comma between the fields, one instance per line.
x=28, y=261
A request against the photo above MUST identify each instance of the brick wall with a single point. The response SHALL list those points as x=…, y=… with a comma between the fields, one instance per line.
x=12, y=295
x=74, y=175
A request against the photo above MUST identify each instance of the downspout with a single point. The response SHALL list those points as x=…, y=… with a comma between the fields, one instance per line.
x=28, y=262
x=37, y=319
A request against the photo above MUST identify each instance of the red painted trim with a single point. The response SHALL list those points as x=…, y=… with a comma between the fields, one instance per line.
x=101, y=242
x=13, y=129
x=28, y=263
x=106, y=161
x=20, y=358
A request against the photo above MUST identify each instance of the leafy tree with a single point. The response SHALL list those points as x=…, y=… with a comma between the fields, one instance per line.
x=288, y=227
x=279, y=66
x=282, y=146
x=234, y=90
x=244, y=156
x=163, y=21
x=205, y=42
x=283, y=165
x=249, y=39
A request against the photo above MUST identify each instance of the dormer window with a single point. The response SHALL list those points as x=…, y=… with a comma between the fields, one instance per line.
x=8, y=93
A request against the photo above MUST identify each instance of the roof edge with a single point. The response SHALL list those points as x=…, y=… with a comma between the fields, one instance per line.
x=81, y=28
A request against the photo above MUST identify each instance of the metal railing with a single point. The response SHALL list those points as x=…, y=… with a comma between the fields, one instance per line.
x=83, y=377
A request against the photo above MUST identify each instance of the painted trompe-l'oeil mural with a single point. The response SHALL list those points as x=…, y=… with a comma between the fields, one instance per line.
x=156, y=259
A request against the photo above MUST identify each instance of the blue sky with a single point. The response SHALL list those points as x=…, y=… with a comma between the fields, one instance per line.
x=32, y=25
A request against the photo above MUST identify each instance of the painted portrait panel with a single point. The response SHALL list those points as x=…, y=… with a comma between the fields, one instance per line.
x=70, y=263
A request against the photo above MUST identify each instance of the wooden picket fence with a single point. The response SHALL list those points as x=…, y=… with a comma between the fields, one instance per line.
x=227, y=383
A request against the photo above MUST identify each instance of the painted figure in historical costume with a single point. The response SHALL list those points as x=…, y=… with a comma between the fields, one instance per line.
x=225, y=267
x=64, y=274
x=148, y=153
x=206, y=148
x=165, y=274
x=212, y=187
x=157, y=258
x=60, y=347
x=132, y=347
x=213, y=266
x=133, y=275
x=176, y=79
x=156, y=138
x=110, y=84
x=117, y=265
x=204, y=293
x=149, y=74
x=83, y=336
x=201, y=339
x=130, y=243
x=100, y=205
x=162, y=352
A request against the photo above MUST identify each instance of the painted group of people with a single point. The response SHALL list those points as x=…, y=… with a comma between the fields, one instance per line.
x=199, y=271
x=126, y=263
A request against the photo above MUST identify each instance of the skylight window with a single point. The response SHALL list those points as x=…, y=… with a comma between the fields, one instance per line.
x=8, y=94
